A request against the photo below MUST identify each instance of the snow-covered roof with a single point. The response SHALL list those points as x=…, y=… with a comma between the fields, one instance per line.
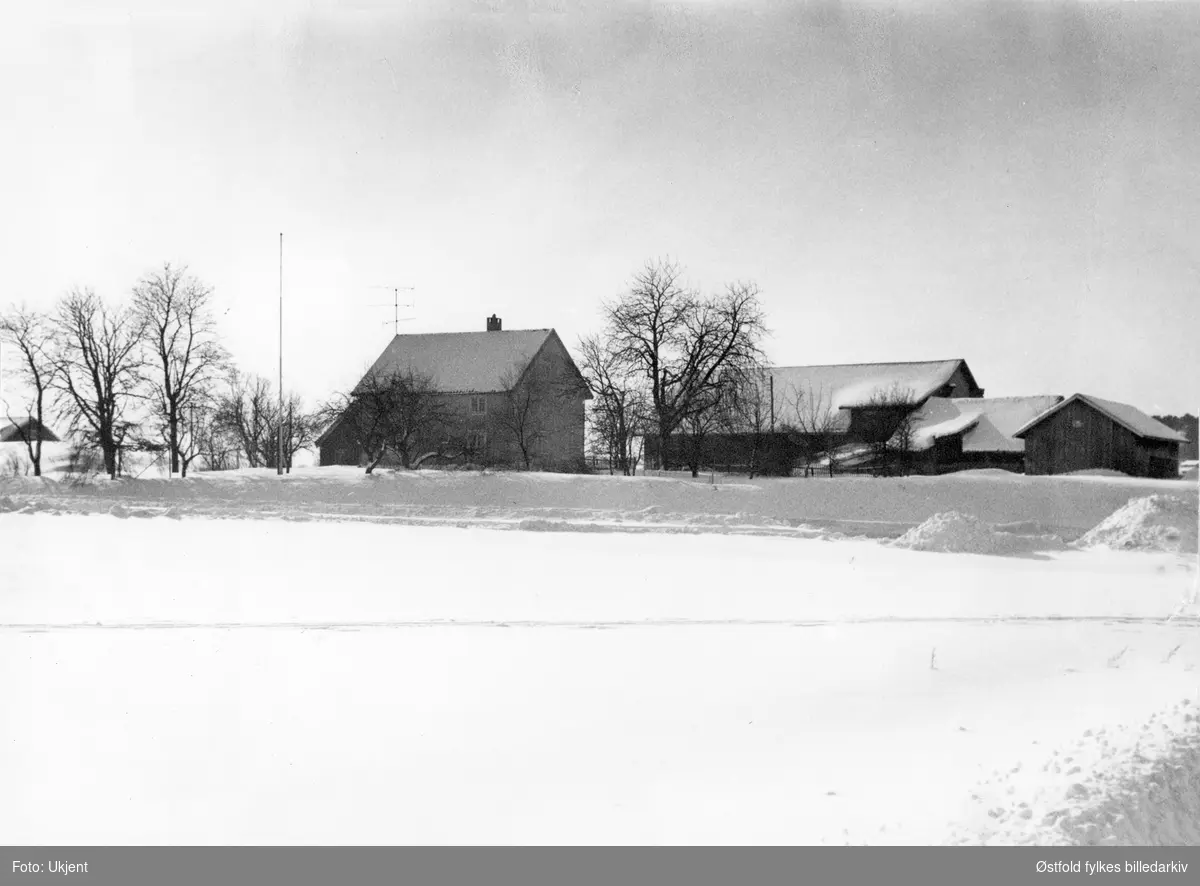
x=10, y=431
x=849, y=385
x=1001, y=417
x=987, y=424
x=940, y=417
x=1129, y=417
x=463, y=362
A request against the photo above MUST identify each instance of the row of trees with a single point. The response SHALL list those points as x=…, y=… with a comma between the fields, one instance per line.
x=670, y=365
x=149, y=375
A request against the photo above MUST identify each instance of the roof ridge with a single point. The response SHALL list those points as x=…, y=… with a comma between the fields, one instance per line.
x=474, y=361
x=874, y=363
x=1100, y=404
x=474, y=332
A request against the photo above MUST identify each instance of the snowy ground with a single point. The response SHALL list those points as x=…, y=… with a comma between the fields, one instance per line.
x=1065, y=506
x=208, y=680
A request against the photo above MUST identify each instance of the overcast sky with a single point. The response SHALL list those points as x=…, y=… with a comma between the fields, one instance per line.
x=1018, y=185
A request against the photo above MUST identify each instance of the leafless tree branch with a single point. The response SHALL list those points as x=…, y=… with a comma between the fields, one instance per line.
x=33, y=336
x=97, y=369
x=682, y=344
x=174, y=309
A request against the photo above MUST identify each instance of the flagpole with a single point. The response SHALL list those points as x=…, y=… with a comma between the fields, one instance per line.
x=279, y=453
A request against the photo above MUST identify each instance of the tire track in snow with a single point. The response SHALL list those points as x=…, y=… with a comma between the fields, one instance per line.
x=1033, y=620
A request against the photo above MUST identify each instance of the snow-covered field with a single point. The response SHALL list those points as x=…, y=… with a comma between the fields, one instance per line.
x=1065, y=506
x=366, y=662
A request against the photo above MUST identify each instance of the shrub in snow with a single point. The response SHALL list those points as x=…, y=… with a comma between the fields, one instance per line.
x=576, y=466
x=1152, y=523
x=14, y=465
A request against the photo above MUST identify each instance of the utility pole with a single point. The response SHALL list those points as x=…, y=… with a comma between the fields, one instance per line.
x=771, y=378
x=279, y=453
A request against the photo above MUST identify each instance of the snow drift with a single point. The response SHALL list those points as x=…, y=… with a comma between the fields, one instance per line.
x=953, y=532
x=1153, y=523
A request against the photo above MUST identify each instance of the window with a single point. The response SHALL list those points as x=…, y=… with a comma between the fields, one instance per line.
x=477, y=441
x=478, y=405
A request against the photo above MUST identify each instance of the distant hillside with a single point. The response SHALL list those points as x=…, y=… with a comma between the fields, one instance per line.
x=1188, y=425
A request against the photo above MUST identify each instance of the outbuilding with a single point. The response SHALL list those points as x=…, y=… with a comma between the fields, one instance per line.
x=26, y=429
x=1087, y=433
x=962, y=434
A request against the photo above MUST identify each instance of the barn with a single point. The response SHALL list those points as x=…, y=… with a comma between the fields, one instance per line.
x=474, y=376
x=856, y=394
x=1087, y=433
x=815, y=408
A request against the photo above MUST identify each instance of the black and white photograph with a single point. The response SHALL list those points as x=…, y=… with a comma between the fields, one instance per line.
x=564, y=423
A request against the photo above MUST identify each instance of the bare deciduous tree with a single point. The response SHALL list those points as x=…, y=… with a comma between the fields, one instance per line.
x=204, y=439
x=815, y=425
x=681, y=343
x=747, y=411
x=174, y=311
x=706, y=415
x=398, y=412
x=98, y=363
x=621, y=409
x=200, y=437
x=248, y=412
x=522, y=416
x=32, y=334
x=888, y=424
x=244, y=413
x=299, y=432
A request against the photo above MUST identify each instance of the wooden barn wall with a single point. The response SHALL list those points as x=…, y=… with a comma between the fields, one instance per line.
x=339, y=448
x=958, y=386
x=1080, y=438
x=945, y=460
x=1163, y=458
x=770, y=453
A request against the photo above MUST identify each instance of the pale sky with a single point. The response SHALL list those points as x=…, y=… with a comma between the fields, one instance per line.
x=1018, y=185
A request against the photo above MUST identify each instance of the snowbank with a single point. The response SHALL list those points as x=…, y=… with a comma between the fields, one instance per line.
x=960, y=533
x=1130, y=784
x=1151, y=523
x=1155, y=804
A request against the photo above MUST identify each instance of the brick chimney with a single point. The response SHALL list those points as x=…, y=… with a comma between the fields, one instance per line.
x=493, y=323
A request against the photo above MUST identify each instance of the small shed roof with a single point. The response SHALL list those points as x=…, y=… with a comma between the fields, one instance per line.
x=11, y=432
x=985, y=423
x=1129, y=417
x=463, y=362
x=941, y=417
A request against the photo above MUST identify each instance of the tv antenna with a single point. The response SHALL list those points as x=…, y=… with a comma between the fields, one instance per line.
x=396, y=305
